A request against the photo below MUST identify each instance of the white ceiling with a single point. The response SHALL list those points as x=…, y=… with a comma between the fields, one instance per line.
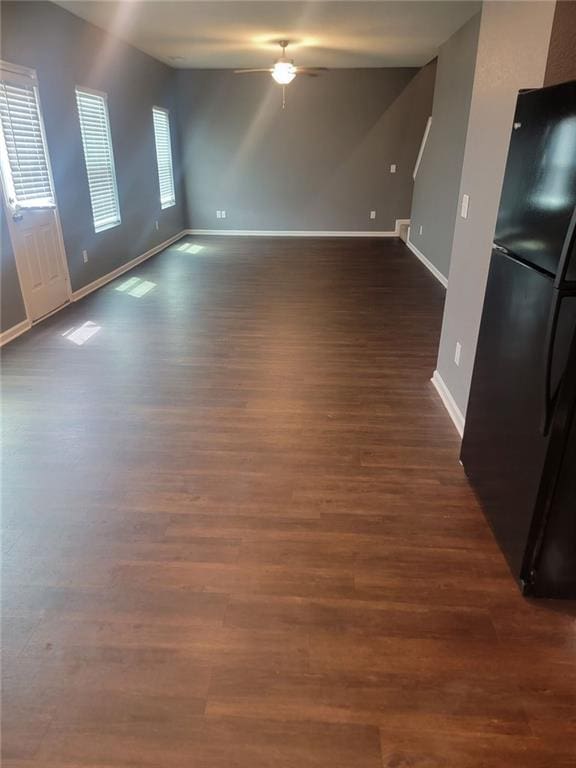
x=236, y=33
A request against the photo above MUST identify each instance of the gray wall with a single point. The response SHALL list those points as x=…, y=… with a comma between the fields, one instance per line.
x=321, y=164
x=512, y=53
x=437, y=184
x=67, y=51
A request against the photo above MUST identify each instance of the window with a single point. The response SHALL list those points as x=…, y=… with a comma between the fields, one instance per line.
x=22, y=149
x=164, y=156
x=99, y=157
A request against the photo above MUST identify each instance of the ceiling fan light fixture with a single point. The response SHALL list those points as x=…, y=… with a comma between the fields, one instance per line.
x=284, y=72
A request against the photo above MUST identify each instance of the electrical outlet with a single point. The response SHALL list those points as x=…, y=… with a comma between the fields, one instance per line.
x=372, y=214
x=457, y=352
x=420, y=230
x=156, y=225
x=85, y=256
x=393, y=168
x=464, y=208
x=222, y=214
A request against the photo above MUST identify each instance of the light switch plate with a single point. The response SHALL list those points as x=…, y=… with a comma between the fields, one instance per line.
x=464, y=207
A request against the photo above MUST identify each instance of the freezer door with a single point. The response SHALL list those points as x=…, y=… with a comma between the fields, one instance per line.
x=539, y=190
x=504, y=448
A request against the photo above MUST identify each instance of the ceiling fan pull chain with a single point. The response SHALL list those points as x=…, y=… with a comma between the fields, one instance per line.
x=283, y=97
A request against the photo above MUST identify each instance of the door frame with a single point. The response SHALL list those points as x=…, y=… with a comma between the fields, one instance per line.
x=17, y=69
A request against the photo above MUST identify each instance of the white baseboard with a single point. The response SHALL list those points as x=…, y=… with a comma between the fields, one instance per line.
x=14, y=332
x=95, y=284
x=300, y=232
x=289, y=233
x=403, y=223
x=449, y=403
x=427, y=263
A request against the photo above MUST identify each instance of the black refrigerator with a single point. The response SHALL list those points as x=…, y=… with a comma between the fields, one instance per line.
x=519, y=443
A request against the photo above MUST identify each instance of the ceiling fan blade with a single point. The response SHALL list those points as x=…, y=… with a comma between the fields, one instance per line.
x=248, y=71
x=311, y=71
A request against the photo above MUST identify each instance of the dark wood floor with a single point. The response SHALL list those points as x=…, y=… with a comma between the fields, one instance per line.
x=236, y=533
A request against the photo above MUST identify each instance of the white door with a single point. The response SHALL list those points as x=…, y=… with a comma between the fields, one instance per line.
x=33, y=220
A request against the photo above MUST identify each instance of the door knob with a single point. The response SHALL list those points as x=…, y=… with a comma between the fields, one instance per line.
x=17, y=216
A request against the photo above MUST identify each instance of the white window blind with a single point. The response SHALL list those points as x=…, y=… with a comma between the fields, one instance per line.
x=99, y=157
x=164, y=156
x=22, y=151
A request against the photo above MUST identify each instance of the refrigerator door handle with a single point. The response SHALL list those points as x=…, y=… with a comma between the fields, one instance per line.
x=568, y=252
x=550, y=397
x=549, y=356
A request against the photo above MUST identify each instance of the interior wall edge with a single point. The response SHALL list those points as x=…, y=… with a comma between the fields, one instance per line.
x=437, y=182
x=561, y=64
x=512, y=53
x=427, y=263
x=449, y=403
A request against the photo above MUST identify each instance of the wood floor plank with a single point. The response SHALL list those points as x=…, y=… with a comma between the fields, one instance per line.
x=429, y=700
x=236, y=532
x=214, y=742
x=443, y=749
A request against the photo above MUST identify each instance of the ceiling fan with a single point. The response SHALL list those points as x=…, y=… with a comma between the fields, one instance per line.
x=284, y=70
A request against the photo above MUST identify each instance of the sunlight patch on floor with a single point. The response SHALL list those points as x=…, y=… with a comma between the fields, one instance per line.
x=192, y=248
x=127, y=284
x=80, y=336
x=142, y=289
x=136, y=287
